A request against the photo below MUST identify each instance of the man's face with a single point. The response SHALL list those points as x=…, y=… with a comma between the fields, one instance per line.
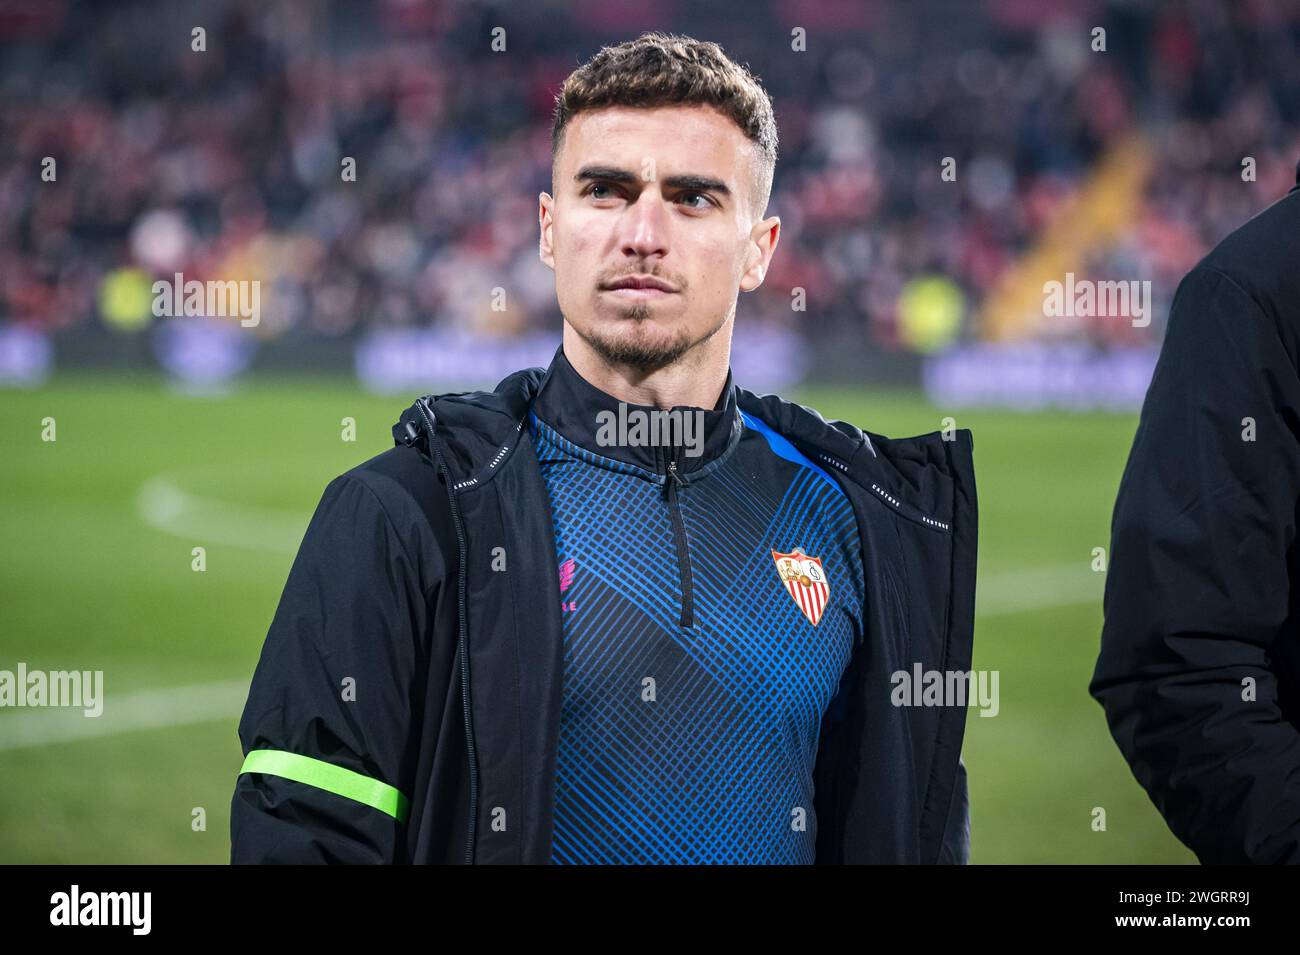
x=662, y=198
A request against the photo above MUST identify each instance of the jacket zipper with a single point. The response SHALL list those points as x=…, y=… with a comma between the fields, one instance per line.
x=672, y=483
x=462, y=643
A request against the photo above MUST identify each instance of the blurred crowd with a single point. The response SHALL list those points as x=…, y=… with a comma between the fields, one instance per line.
x=229, y=162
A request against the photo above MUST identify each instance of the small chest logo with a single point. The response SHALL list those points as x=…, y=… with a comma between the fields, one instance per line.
x=805, y=581
x=567, y=570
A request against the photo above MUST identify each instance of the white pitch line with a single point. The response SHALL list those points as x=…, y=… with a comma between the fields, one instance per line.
x=1038, y=588
x=144, y=710
x=166, y=507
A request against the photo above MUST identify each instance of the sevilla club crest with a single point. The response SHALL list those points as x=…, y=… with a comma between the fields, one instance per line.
x=805, y=580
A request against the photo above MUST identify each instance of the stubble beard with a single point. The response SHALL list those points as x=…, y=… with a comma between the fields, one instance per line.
x=637, y=351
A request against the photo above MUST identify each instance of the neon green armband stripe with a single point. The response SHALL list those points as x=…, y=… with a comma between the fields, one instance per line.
x=331, y=778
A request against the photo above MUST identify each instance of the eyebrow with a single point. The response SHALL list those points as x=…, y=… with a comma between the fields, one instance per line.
x=685, y=181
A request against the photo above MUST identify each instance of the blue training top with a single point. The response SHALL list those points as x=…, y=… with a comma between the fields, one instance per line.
x=712, y=593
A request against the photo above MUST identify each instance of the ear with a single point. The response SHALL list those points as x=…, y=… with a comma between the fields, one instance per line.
x=545, y=250
x=762, y=245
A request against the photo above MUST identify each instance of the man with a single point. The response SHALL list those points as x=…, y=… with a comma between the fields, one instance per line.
x=1200, y=663
x=621, y=610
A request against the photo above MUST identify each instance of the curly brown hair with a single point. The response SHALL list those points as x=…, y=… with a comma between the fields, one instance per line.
x=666, y=69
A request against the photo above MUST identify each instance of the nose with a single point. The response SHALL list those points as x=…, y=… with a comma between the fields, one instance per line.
x=644, y=227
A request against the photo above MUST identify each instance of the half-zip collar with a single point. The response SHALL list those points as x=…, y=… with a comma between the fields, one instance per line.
x=643, y=436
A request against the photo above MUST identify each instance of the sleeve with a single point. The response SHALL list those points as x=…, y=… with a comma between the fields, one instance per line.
x=1198, y=592
x=326, y=732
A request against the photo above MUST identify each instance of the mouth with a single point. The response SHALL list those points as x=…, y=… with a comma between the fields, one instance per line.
x=640, y=287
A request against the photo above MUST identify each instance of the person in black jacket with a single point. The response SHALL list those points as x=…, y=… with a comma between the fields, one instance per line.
x=622, y=610
x=1200, y=653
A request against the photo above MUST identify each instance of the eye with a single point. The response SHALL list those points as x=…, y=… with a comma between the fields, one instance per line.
x=591, y=190
x=697, y=195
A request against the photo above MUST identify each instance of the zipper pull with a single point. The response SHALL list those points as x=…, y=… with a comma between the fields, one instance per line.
x=673, y=482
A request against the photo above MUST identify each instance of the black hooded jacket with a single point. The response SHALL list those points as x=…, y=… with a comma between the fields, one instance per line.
x=406, y=705
x=1199, y=670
